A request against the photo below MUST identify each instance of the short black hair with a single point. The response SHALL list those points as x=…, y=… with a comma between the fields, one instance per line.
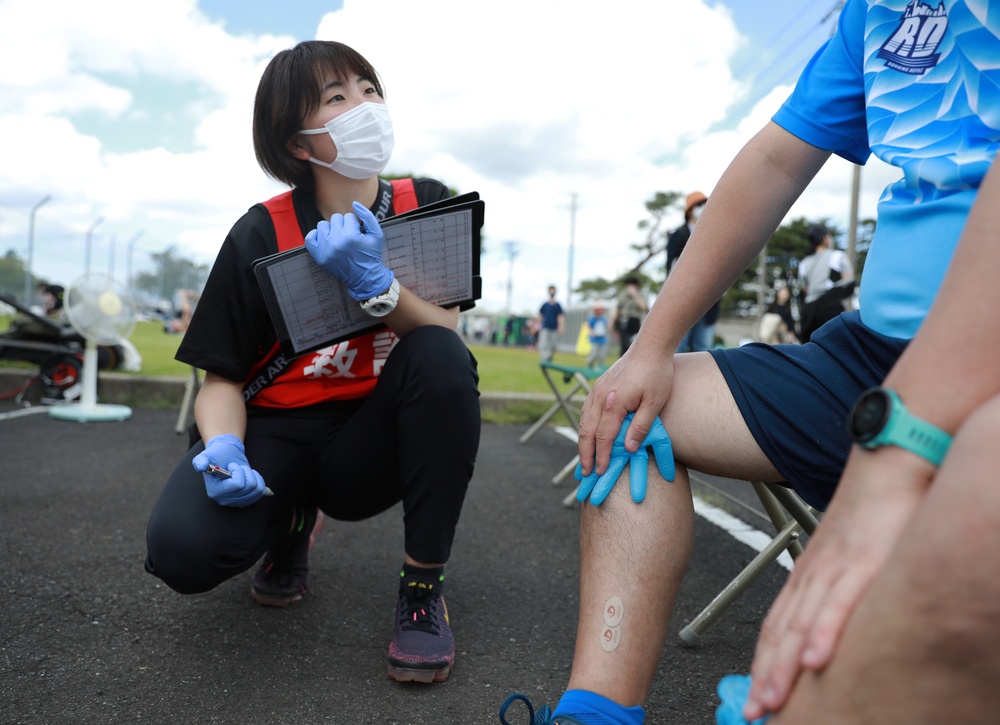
x=816, y=235
x=57, y=292
x=289, y=90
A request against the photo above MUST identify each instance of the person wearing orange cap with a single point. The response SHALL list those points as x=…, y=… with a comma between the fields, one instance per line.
x=702, y=335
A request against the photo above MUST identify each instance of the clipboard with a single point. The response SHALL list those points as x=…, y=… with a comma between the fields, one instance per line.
x=433, y=250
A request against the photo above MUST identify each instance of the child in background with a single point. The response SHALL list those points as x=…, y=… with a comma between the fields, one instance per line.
x=597, y=327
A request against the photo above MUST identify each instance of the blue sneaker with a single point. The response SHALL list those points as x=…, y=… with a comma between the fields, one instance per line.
x=539, y=717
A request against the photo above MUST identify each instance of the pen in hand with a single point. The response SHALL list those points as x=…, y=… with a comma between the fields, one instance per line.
x=218, y=472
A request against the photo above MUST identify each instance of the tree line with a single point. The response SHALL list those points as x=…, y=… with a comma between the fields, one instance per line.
x=776, y=267
x=170, y=273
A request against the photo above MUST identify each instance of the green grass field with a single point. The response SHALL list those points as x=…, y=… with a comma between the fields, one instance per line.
x=501, y=369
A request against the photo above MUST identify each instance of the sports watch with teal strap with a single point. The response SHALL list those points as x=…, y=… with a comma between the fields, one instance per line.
x=879, y=418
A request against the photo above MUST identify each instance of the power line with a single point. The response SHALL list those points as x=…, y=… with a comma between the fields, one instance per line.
x=756, y=92
x=806, y=7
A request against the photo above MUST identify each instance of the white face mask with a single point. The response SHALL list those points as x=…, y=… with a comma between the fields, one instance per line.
x=363, y=137
x=696, y=214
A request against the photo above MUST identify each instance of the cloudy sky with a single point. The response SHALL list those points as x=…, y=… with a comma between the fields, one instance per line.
x=134, y=119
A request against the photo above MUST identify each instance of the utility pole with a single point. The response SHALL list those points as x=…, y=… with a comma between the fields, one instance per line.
x=572, y=244
x=90, y=237
x=852, y=222
x=512, y=253
x=128, y=260
x=31, y=249
x=111, y=257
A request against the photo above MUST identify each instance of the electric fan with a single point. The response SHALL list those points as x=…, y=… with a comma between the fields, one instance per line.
x=103, y=312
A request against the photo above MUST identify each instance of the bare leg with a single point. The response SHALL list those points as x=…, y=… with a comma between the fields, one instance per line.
x=638, y=553
x=923, y=645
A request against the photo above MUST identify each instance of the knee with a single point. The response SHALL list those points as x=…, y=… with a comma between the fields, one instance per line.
x=178, y=561
x=439, y=359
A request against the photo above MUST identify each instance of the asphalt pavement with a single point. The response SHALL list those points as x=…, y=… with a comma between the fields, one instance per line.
x=86, y=636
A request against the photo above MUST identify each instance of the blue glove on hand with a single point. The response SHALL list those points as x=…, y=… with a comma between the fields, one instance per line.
x=733, y=691
x=639, y=465
x=352, y=256
x=244, y=487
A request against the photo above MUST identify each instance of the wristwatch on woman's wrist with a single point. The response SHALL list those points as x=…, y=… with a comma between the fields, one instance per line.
x=381, y=305
x=879, y=419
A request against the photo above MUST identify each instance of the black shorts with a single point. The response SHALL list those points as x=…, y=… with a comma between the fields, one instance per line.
x=796, y=398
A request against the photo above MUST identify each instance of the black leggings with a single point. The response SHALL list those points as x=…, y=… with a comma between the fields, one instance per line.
x=413, y=439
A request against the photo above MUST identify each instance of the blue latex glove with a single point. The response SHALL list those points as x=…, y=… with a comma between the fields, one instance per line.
x=598, y=487
x=244, y=487
x=733, y=691
x=352, y=256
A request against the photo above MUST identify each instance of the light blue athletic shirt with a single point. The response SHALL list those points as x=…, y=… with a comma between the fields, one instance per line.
x=930, y=78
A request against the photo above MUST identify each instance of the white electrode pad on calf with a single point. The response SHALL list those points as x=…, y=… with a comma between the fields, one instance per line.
x=611, y=632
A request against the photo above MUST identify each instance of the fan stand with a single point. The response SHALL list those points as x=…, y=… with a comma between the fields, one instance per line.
x=88, y=409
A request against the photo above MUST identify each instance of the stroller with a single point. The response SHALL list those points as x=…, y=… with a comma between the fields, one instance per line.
x=57, y=348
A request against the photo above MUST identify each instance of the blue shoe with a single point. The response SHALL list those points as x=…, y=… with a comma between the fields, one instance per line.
x=540, y=717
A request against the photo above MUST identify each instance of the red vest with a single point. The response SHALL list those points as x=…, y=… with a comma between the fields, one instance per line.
x=343, y=371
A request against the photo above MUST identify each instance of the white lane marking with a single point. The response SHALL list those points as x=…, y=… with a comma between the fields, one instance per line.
x=737, y=528
x=22, y=412
x=565, y=430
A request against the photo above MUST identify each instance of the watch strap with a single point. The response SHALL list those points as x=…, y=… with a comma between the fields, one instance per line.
x=907, y=431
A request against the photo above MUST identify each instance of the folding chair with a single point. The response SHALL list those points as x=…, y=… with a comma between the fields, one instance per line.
x=187, y=404
x=790, y=516
x=574, y=380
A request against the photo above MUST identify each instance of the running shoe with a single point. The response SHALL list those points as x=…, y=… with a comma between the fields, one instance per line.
x=535, y=717
x=422, y=647
x=283, y=575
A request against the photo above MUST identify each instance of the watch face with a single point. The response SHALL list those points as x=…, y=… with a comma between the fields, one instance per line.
x=870, y=414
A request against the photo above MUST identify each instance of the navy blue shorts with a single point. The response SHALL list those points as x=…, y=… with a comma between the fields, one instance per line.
x=796, y=398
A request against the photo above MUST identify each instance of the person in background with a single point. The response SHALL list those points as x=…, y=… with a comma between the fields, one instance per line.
x=777, y=324
x=188, y=299
x=390, y=416
x=597, y=332
x=550, y=325
x=26, y=327
x=630, y=311
x=701, y=336
x=826, y=277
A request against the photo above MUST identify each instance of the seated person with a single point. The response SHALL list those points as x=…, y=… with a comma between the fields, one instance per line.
x=29, y=327
x=899, y=585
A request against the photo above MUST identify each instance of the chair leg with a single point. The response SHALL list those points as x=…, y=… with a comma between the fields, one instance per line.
x=768, y=555
x=570, y=500
x=565, y=470
x=777, y=514
x=187, y=404
x=799, y=510
x=539, y=423
x=560, y=404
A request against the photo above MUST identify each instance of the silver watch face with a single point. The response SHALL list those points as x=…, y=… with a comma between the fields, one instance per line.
x=380, y=309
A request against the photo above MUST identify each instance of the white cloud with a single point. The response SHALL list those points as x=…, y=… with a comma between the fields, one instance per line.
x=526, y=102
